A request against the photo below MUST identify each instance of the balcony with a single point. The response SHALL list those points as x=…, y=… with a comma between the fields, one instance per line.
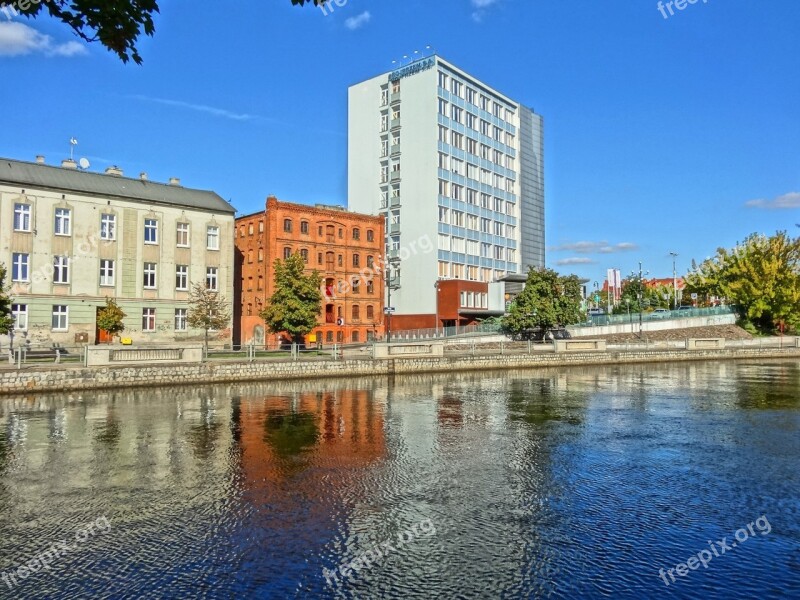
x=395, y=150
x=395, y=176
x=394, y=201
x=395, y=98
x=394, y=229
x=395, y=123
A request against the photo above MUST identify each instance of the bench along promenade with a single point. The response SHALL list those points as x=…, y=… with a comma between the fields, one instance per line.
x=109, y=367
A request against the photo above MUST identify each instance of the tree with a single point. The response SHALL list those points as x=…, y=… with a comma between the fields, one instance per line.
x=110, y=318
x=760, y=277
x=116, y=24
x=207, y=310
x=296, y=303
x=6, y=318
x=547, y=300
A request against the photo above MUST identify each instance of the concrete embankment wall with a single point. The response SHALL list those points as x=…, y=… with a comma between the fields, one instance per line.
x=52, y=379
x=633, y=327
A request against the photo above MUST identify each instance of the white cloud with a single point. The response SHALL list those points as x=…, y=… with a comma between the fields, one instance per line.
x=18, y=39
x=481, y=6
x=790, y=200
x=577, y=260
x=211, y=110
x=358, y=21
x=595, y=247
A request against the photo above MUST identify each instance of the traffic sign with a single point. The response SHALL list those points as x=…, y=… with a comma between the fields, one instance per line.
x=388, y=309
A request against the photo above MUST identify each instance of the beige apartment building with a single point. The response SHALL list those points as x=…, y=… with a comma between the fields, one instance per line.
x=70, y=239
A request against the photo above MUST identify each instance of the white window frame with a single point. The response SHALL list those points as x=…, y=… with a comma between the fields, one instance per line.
x=212, y=279
x=19, y=312
x=183, y=229
x=212, y=237
x=151, y=225
x=58, y=314
x=20, y=267
x=107, y=275
x=23, y=216
x=150, y=269
x=61, y=270
x=63, y=222
x=181, y=319
x=108, y=227
x=182, y=277
x=148, y=320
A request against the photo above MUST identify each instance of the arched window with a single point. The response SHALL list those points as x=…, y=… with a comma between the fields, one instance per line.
x=304, y=254
x=287, y=225
x=370, y=287
x=356, y=233
x=304, y=227
x=370, y=312
x=356, y=312
x=356, y=260
x=355, y=336
x=287, y=252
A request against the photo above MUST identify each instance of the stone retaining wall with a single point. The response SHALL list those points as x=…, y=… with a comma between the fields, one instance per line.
x=63, y=378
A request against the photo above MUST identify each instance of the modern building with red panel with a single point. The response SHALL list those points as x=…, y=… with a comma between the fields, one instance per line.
x=345, y=248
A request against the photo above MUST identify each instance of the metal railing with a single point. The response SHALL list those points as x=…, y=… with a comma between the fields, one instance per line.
x=633, y=317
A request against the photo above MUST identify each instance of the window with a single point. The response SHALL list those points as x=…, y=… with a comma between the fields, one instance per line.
x=180, y=319
x=472, y=172
x=486, y=225
x=442, y=133
x=249, y=284
x=370, y=235
x=456, y=87
x=22, y=217
x=340, y=261
x=60, y=320
x=443, y=214
x=287, y=225
x=499, y=205
x=472, y=146
x=443, y=80
x=457, y=114
x=457, y=140
x=356, y=233
x=459, y=245
x=473, y=247
x=458, y=192
x=458, y=166
x=458, y=218
x=458, y=271
x=260, y=283
x=106, y=272
x=19, y=312
x=182, y=235
x=260, y=255
x=20, y=267
x=356, y=260
x=149, y=275
x=63, y=221
x=498, y=158
x=148, y=319
x=108, y=227
x=328, y=336
x=484, y=127
x=212, y=276
x=499, y=228
x=212, y=237
x=444, y=242
x=396, y=86
x=470, y=120
x=370, y=312
x=287, y=252
x=472, y=222
x=470, y=95
x=150, y=231
x=499, y=252
x=250, y=229
x=261, y=227
x=442, y=107
x=444, y=269
x=370, y=287
x=484, y=103
x=249, y=257
x=304, y=254
x=444, y=161
x=181, y=277
x=304, y=227
x=485, y=200
x=370, y=261
x=444, y=188
x=356, y=312
x=356, y=287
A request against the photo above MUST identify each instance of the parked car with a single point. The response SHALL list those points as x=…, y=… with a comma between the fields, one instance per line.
x=660, y=313
x=686, y=308
x=537, y=334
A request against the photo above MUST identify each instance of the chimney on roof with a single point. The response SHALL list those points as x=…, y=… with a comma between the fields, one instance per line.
x=143, y=176
x=175, y=181
x=39, y=159
x=68, y=163
x=114, y=170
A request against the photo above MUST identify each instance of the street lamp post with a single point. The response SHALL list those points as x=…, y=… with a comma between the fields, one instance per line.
x=436, y=286
x=674, y=256
x=390, y=285
x=630, y=318
x=641, y=294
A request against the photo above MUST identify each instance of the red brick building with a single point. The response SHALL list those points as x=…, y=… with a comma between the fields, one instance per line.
x=345, y=248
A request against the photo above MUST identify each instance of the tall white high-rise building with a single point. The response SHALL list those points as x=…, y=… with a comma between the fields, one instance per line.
x=457, y=170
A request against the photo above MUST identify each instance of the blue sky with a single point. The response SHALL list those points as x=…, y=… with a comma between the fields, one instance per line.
x=678, y=134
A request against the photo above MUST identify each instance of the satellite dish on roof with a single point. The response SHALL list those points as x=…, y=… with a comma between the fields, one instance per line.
x=84, y=163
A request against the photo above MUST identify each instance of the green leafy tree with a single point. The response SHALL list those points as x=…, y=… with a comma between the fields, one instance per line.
x=116, y=24
x=760, y=277
x=548, y=300
x=6, y=319
x=110, y=318
x=208, y=310
x=296, y=303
